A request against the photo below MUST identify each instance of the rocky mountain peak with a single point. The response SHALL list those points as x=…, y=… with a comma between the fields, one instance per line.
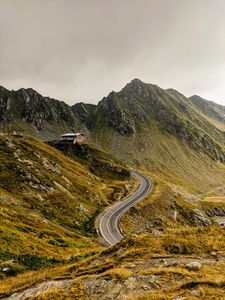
x=195, y=97
x=145, y=90
x=198, y=100
x=210, y=109
x=135, y=85
x=29, y=94
x=2, y=89
x=136, y=81
x=23, y=95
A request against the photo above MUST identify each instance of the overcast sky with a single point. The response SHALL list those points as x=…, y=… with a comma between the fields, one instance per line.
x=79, y=50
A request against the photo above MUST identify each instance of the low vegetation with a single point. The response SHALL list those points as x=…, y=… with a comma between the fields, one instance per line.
x=97, y=161
x=173, y=247
x=49, y=203
x=179, y=262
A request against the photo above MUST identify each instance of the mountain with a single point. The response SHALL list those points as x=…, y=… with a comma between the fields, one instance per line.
x=139, y=106
x=157, y=129
x=161, y=131
x=51, y=194
x=26, y=111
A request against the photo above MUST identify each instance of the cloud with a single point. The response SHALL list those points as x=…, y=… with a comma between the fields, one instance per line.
x=79, y=50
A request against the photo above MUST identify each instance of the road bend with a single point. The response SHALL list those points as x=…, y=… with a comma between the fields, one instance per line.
x=108, y=225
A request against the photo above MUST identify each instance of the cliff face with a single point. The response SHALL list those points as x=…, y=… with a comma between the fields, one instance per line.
x=84, y=112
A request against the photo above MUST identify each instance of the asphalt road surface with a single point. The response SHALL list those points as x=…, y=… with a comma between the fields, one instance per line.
x=221, y=222
x=108, y=225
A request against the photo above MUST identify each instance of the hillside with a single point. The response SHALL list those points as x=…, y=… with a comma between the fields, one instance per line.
x=214, y=113
x=163, y=132
x=126, y=112
x=49, y=202
x=160, y=131
x=52, y=194
x=174, y=264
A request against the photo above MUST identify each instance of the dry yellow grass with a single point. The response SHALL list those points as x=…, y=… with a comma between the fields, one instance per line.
x=207, y=283
x=177, y=244
x=118, y=273
x=49, y=203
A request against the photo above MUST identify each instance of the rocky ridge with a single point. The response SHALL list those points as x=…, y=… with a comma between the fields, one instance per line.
x=121, y=116
x=26, y=111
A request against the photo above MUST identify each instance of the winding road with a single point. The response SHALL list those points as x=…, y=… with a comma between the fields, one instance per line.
x=108, y=225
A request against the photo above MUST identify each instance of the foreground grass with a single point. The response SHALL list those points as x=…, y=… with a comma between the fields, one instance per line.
x=45, y=229
x=180, y=245
x=207, y=283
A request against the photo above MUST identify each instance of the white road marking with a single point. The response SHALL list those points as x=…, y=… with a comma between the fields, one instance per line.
x=107, y=223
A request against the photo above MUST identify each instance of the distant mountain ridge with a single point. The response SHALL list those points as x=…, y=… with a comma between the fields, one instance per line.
x=142, y=124
x=28, y=112
x=37, y=111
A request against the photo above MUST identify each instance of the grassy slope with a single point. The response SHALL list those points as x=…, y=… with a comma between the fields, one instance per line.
x=210, y=110
x=143, y=263
x=185, y=179
x=48, y=204
x=184, y=176
x=156, y=258
x=167, y=157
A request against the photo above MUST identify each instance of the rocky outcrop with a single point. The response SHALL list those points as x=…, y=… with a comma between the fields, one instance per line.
x=4, y=104
x=37, y=109
x=84, y=112
x=28, y=112
x=193, y=216
x=115, y=115
x=215, y=211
